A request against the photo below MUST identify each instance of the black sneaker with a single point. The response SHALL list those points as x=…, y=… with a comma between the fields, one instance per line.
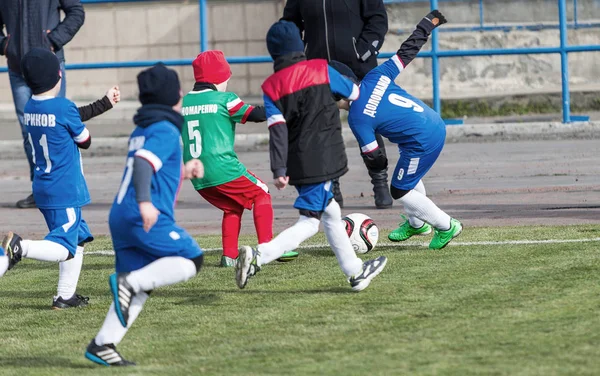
x=27, y=203
x=122, y=295
x=106, y=355
x=13, y=249
x=371, y=269
x=75, y=301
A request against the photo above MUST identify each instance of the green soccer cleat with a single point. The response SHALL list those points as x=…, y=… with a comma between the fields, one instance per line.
x=288, y=256
x=406, y=231
x=227, y=262
x=442, y=238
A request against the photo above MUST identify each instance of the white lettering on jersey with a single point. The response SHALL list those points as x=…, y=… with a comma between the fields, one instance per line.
x=136, y=143
x=39, y=120
x=376, y=96
x=200, y=109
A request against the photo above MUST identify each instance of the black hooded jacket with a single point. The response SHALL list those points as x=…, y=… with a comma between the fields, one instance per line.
x=349, y=31
x=308, y=146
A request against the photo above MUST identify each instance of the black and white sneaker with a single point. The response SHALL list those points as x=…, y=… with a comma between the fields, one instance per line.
x=371, y=269
x=13, y=249
x=123, y=294
x=246, y=265
x=106, y=355
x=75, y=301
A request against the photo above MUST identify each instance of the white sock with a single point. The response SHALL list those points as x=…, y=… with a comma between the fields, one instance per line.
x=418, y=205
x=44, y=250
x=288, y=240
x=338, y=240
x=3, y=265
x=162, y=272
x=112, y=331
x=68, y=275
x=414, y=221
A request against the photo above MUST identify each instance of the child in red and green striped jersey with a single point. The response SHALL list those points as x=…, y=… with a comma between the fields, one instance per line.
x=211, y=114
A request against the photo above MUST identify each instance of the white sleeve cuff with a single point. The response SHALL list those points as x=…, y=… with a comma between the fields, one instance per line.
x=369, y=147
x=275, y=119
x=82, y=137
x=150, y=157
x=398, y=63
x=355, y=93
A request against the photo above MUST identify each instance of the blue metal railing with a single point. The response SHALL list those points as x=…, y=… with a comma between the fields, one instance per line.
x=434, y=54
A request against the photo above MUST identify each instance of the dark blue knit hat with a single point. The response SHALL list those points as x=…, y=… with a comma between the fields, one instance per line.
x=40, y=69
x=344, y=70
x=159, y=85
x=284, y=38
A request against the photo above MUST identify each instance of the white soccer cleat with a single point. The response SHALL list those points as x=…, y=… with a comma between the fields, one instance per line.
x=246, y=265
x=371, y=269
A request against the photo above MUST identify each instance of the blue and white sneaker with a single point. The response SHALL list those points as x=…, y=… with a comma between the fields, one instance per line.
x=371, y=268
x=106, y=355
x=246, y=265
x=123, y=294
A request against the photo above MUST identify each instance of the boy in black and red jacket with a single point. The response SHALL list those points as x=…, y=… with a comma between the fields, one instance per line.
x=307, y=151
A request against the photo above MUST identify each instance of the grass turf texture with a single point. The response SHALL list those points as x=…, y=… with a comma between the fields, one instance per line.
x=509, y=309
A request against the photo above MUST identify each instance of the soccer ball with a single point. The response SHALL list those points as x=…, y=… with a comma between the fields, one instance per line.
x=362, y=231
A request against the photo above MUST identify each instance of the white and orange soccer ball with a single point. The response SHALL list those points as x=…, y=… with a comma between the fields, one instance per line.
x=362, y=231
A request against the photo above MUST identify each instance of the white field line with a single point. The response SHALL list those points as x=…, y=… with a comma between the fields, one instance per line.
x=408, y=244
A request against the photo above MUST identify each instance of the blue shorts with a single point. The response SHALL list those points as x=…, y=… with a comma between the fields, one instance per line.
x=135, y=248
x=412, y=166
x=67, y=228
x=313, y=197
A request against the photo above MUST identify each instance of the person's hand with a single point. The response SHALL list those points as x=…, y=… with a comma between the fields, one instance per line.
x=149, y=214
x=432, y=20
x=114, y=95
x=436, y=17
x=51, y=46
x=193, y=169
x=281, y=182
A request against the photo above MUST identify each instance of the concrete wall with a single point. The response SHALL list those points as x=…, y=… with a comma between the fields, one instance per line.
x=164, y=30
x=170, y=30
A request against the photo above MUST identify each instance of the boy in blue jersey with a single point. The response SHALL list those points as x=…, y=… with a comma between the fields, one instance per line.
x=307, y=151
x=56, y=134
x=419, y=132
x=151, y=250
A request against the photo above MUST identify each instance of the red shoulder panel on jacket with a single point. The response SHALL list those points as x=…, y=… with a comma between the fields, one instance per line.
x=295, y=78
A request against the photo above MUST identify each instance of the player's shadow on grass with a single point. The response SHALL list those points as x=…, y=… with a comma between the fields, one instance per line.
x=47, y=294
x=38, y=265
x=42, y=362
x=207, y=297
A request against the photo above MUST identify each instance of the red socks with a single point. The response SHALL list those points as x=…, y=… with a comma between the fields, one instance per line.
x=263, y=218
x=232, y=223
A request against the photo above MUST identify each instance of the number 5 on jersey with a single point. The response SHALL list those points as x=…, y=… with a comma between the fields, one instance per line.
x=194, y=135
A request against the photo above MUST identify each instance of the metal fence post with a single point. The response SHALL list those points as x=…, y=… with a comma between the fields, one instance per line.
x=564, y=60
x=203, y=25
x=481, y=13
x=435, y=66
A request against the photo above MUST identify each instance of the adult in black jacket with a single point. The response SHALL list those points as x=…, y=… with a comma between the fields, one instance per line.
x=30, y=24
x=351, y=32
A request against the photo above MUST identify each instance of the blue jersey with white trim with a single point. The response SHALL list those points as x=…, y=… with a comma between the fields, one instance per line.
x=54, y=128
x=387, y=109
x=159, y=144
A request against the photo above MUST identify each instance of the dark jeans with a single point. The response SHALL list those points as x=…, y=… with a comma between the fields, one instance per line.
x=21, y=94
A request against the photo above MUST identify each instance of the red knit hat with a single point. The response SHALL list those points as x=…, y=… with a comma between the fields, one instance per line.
x=211, y=67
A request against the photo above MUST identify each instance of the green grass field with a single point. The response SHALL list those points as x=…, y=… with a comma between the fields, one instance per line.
x=511, y=309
